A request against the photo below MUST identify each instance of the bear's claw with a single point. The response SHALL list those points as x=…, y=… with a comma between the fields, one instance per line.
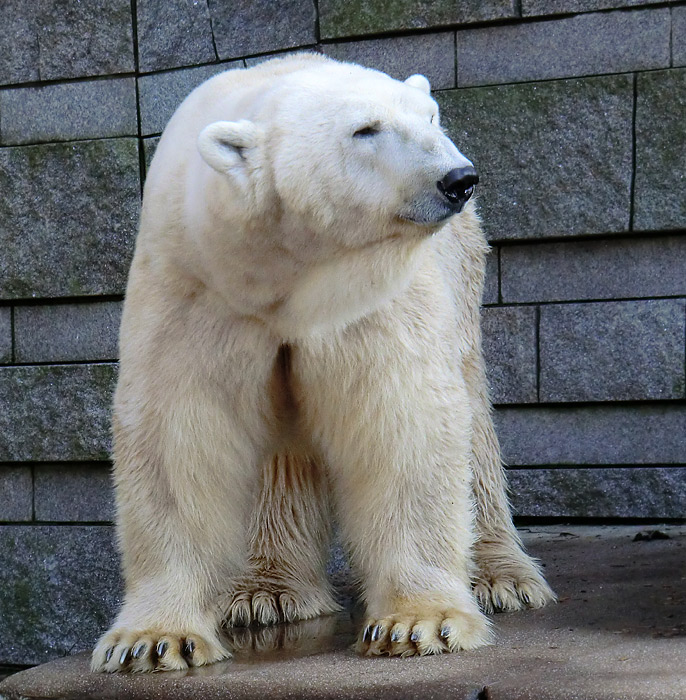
x=123, y=651
x=403, y=635
x=506, y=595
x=273, y=603
x=508, y=579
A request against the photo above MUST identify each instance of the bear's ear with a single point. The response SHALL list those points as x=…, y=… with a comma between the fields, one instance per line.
x=223, y=144
x=420, y=82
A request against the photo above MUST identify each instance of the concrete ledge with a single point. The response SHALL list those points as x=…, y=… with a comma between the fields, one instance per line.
x=617, y=632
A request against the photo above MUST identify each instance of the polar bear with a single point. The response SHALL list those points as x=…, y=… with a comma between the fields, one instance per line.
x=300, y=337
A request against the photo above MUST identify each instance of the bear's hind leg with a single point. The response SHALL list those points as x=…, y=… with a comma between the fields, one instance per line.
x=289, y=537
x=507, y=578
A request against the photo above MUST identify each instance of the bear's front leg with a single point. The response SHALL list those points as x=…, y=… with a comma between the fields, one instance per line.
x=189, y=434
x=389, y=410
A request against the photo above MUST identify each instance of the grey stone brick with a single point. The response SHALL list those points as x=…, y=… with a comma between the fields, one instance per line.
x=490, y=295
x=51, y=39
x=62, y=112
x=16, y=493
x=432, y=55
x=509, y=342
x=84, y=38
x=638, y=492
x=59, y=589
x=612, y=42
x=65, y=332
x=612, y=351
x=534, y=145
x=149, y=148
x=173, y=33
x=245, y=27
x=56, y=412
x=161, y=94
x=73, y=493
x=678, y=36
x=650, y=433
x=5, y=334
x=18, y=43
x=607, y=269
x=68, y=217
x=556, y=7
x=660, y=189
x=359, y=17
x=256, y=60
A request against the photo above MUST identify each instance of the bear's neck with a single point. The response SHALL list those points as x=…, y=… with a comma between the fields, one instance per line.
x=331, y=294
x=297, y=282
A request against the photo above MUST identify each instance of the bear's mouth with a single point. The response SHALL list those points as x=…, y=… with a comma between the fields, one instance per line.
x=430, y=211
x=425, y=223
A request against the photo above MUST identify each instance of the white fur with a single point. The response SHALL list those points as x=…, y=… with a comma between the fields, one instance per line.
x=301, y=326
x=420, y=82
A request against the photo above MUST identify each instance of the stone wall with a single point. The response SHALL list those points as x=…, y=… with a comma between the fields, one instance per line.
x=574, y=112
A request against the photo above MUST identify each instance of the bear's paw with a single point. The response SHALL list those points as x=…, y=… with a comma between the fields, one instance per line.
x=433, y=632
x=121, y=650
x=508, y=579
x=271, y=602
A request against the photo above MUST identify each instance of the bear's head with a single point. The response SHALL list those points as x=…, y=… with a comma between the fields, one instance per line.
x=345, y=151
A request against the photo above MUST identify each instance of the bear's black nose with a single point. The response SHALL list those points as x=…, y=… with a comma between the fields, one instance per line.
x=458, y=185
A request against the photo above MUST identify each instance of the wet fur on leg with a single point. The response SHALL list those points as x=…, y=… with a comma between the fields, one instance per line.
x=289, y=537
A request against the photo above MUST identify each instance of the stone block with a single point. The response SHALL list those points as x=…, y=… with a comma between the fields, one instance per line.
x=245, y=27
x=617, y=628
x=59, y=589
x=679, y=36
x=490, y=295
x=173, y=33
x=534, y=144
x=606, y=269
x=78, y=39
x=67, y=332
x=73, y=493
x=649, y=433
x=56, y=412
x=659, y=200
x=149, y=148
x=360, y=17
x=5, y=334
x=509, y=342
x=16, y=494
x=68, y=111
x=612, y=351
x=657, y=493
x=52, y=39
x=18, y=43
x=613, y=42
x=256, y=60
x=68, y=218
x=432, y=55
x=161, y=94
x=558, y=7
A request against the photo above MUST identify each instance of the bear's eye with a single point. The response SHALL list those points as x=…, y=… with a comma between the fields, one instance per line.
x=434, y=118
x=367, y=131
